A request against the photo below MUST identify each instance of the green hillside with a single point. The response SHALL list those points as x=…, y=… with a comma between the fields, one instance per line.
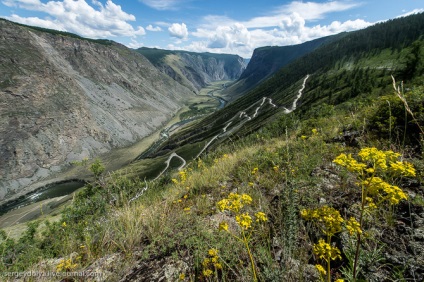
x=267, y=60
x=359, y=63
x=329, y=190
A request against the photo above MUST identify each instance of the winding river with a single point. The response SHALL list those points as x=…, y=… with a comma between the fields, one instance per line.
x=65, y=188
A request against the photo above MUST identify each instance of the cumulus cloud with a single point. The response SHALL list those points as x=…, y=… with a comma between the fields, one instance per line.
x=134, y=44
x=178, y=30
x=152, y=28
x=232, y=36
x=77, y=16
x=287, y=25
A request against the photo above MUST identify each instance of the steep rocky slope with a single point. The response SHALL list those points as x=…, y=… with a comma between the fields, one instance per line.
x=64, y=98
x=195, y=70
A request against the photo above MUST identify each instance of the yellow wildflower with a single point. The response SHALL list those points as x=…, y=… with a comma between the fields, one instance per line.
x=207, y=272
x=303, y=137
x=374, y=156
x=327, y=218
x=353, y=226
x=217, y=265
x=260, y=216
x=246, y=199
x=187, y=209
x=350, y=163
x=244, y=220
x=402, y=168
x=321, y=269
x=64, y=224
x=213, y=252
x=223, y=204
x=314, y=131
x=325, y=251
x=223, y=226
x=181, y=276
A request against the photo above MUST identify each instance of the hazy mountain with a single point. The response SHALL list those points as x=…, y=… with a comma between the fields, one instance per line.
x=195, y=70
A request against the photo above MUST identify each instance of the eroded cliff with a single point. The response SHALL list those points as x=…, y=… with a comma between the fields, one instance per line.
x=64, y=98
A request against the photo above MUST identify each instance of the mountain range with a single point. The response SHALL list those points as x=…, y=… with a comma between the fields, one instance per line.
x=304, y=165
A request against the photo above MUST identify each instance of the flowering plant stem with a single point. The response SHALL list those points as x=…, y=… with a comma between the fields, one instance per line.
x=361, y=218
x=246, y=243
x=245, y=240
x=358, y=240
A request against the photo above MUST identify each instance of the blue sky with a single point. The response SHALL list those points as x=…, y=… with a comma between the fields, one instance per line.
x=231, y=26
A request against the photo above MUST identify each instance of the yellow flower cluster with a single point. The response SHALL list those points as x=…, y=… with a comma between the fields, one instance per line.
x=350, y=163
x=384, y=191
x=182, y=175
x=373, y=159
x=223, y=226
x=254, y=171
x=66, y=265
x=325, y=251
x=353, y=226
x=402, y=168
x=211, y=262
x=327, y=218
x=376, y=157
x=235, y=202
x=321, y=269
x=260, y=216
x=244, y=220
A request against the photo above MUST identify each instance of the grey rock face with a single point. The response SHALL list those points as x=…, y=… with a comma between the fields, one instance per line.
x=64, y=99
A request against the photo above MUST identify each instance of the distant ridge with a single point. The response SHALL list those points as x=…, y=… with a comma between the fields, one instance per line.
x=267, y=60
x=195, y=70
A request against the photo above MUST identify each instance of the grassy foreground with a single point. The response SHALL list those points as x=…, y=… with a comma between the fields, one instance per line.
x=273, y=206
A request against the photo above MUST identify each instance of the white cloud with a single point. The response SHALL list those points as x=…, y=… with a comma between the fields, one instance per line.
x=178, y=30
x=313, y=11
x=77, y=16
x=231, y=37
x=151, y=28
x=135, y=44
x=289, y=24
x=162, y=4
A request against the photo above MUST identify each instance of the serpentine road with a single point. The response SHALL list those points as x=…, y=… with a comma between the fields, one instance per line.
x=237, y=121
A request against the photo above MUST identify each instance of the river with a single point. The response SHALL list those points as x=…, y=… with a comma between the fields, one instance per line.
x=47, y=192
x=65, y=188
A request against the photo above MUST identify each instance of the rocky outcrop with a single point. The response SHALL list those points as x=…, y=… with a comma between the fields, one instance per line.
x=64, y=98
x=195, y=70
